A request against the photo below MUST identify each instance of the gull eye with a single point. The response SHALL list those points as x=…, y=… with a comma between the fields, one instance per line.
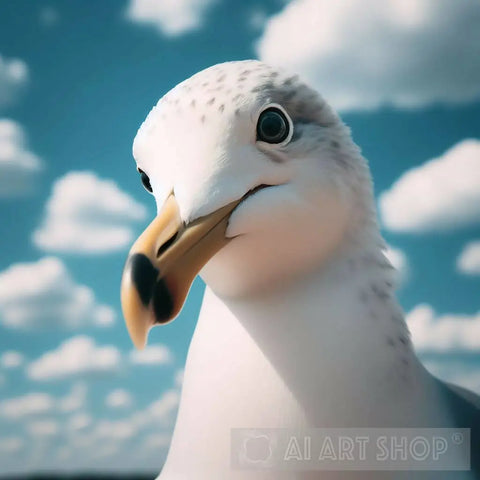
x=272, y=126
x=145, y=180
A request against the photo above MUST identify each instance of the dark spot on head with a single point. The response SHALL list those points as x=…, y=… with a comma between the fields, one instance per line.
x=245, y=72
x=202, y=118
x=211, y=101
x=221, y=78
x=242, y=79
x=403, y=341
x=221, y=108
x=205, y=84
x=177, y=101
x=237, y=97
x=381, y=294
x=237, y=112
x=397, y=318
x=364, y=297
x=287, y=96
x=334, y=144
x=300, y=106
x=289, y=81
x=193, y=103
x=390, y=341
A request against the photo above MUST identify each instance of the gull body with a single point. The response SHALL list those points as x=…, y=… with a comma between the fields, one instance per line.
x=299, y=325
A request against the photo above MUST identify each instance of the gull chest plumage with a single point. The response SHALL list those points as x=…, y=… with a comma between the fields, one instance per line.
x=262, y=191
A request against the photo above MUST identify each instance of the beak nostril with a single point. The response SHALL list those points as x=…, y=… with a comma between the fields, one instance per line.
x=167, y=244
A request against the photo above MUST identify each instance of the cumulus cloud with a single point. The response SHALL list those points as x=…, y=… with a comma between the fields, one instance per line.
x=43, y=428
x=30, y=404
x=151, y=355
x=75, y=399
x=445, y=333
x=364, y=53
x=19, y=167
x=11, y=359
x=11, y=445
x=13, y=78
x=162, y=408
x=118, y=398
x=179, y=377
x=117, y=429
x=42, y=294
x=79, y=421
x=157, y=441
x=77, y=356
x=170, y=17
x=441, y=194
x=468, y=261
x=88, y=215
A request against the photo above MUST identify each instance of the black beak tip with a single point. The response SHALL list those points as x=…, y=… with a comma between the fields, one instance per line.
x=144, y=276
x=150, y=288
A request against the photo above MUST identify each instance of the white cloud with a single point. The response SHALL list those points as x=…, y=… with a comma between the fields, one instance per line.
x=151, y=355
x=11, y=444
x=75, y=399
x=19, y=167
x=29, y=404
x=162, y=408
x=78, y=356
x=469, y=260
x=79, y=421
x=441, y=194
x=118, y=399
x=158, y=412
x=399, y=261
x=11, y=359
x=88, y=215
x=445, y=333
x=13, y=78
x=156, y=441
x=117, y=429
x=43, y=428
x=179, y=377
x=171, y=17
x=42, y=294
x=363, y=53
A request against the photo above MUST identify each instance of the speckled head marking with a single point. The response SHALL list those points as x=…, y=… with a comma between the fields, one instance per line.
x=201, y=142
x=236, y=85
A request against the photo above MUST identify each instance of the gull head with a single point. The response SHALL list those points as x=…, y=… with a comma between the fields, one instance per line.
x=256, y=181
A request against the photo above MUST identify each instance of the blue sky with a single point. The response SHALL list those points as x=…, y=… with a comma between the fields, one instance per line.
x=77, y=79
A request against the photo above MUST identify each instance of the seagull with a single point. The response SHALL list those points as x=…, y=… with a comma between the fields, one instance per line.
x=261, y=190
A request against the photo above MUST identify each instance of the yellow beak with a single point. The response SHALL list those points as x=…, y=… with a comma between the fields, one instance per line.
x=163, y=263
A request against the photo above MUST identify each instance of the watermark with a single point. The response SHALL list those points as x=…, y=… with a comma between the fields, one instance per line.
x=351, y=449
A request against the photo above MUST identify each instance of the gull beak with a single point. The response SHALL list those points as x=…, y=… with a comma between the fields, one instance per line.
x=163, y=263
